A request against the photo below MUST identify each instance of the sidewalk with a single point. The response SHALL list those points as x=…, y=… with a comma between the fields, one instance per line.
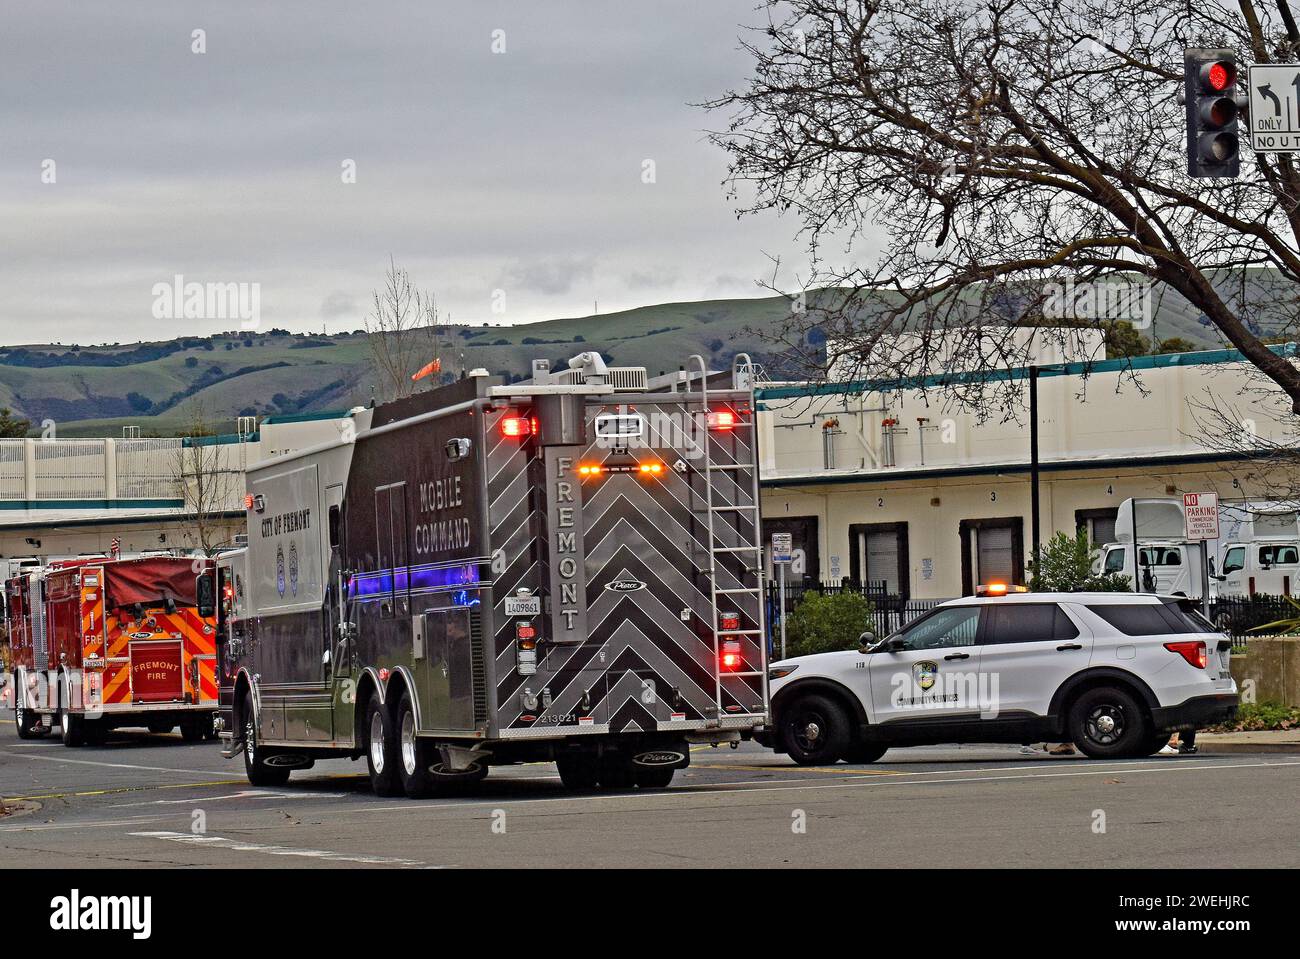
x=1267, y=741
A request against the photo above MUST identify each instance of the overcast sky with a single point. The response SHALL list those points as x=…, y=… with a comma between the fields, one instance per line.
x=478, y=171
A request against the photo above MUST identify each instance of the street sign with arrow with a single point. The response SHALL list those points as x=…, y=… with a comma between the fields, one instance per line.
x=1274, y=115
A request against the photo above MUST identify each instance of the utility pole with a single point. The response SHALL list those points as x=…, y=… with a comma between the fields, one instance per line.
x=1035, y=519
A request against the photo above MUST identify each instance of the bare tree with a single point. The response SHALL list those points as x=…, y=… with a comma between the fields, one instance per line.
x=405, y=334
x=956, y=166
x=210, y=477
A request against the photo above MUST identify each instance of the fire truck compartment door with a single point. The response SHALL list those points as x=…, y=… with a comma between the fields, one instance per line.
x=156, y=671
x=445, y=674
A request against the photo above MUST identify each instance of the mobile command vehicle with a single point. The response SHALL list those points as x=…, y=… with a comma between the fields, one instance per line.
x=101, y=643
x=1114, y=673
x=562, y=569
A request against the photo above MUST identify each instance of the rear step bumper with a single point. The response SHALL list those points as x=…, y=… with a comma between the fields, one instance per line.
x=1195, y=713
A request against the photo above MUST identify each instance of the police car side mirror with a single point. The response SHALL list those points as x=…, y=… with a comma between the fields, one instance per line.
x=865, y=640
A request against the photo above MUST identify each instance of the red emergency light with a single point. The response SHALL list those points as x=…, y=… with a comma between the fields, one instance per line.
x=516, y=427
x=721, y=420
x=729, y=658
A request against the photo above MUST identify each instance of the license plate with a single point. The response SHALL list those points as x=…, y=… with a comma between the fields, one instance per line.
x=523, y=605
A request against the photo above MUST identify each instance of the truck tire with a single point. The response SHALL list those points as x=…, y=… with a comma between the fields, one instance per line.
x=255, y=767
x=161, y=727
x=415, y=755
x=26, y=721
x=383, y=757
x=1108, y=723
x=815, y=730
x=615, y=771
x=192, y=729
x=70, y=727
x=578, y=772
x=653, y=777
x=94, y=731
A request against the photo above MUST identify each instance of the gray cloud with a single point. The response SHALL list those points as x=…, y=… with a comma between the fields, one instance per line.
x=473, y=169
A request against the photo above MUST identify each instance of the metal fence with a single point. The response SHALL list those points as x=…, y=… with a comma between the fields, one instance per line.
x=1242, y=617
x=889, y=611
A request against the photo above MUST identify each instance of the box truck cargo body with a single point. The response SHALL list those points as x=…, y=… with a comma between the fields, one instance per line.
x=564, y=569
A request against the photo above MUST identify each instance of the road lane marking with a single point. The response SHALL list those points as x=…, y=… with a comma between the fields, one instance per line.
x=846, y=771
x=91, y=762
x=236, y=845
x=766, y=786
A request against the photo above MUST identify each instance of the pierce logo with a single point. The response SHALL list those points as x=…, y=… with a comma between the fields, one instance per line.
x=624, y=585
x=78, y=913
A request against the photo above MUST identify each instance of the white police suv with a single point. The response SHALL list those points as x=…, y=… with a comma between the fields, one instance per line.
x=1115, y=673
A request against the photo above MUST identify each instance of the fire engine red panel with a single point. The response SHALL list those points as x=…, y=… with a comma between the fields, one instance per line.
x=148, y=581
x=156, y=672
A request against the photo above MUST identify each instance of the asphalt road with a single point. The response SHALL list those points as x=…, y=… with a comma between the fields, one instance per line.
x=152, y=800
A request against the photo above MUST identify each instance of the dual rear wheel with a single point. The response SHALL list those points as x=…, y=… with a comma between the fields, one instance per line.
x=402, y=763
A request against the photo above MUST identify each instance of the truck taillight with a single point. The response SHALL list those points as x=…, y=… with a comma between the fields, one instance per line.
x=526, y=634
x=729, y=657
x=729, y=622
x=721, y=420
x=651, y=469
x=1193, y=651
x=516, y=427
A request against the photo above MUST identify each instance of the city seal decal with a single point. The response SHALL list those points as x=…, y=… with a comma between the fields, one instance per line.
x=925, y=673
x=293, y=568
x=279, y=569
x=624, y=585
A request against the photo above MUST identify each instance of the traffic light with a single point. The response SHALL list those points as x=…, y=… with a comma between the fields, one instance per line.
x=1210, y=96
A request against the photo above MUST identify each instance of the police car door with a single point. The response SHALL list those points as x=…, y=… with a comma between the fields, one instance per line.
x=928, y=671
x=1028, y=651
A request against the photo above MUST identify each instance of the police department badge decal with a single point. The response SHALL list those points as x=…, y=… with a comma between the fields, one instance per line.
x=925, y=673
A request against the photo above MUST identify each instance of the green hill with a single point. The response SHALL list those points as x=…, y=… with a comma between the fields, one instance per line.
x=95, y=390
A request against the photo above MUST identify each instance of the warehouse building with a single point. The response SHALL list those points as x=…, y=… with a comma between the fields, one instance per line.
x=880, y=482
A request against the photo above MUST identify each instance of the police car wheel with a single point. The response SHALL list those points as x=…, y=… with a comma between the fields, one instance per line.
x=255, y=767
x=1108, y=723
x=382, y=753
x=814, y=731
x=863, y=753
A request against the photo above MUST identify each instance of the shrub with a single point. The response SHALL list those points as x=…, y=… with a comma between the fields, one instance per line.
x=1064, y=565
x=821, y=624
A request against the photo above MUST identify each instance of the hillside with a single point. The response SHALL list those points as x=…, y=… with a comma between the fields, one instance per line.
x=95, y=390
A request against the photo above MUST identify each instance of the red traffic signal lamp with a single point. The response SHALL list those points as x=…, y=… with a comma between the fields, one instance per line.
x=1210, y=98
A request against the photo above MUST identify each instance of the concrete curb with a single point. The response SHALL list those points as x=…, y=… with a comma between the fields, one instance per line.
x=1239, y=748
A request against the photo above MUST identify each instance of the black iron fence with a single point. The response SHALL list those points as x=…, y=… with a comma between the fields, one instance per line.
x=1242, y=617
x=889, y=611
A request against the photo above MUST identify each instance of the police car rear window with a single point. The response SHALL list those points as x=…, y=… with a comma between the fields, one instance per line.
x=1147, y=619
x=1028, y=623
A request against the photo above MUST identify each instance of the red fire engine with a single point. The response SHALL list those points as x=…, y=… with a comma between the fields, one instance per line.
x=100, y=643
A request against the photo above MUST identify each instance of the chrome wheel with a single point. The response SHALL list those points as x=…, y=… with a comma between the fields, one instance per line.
x=410, y=752
x=377, y=742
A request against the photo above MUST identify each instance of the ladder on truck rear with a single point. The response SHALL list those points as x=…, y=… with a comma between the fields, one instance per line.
x=712, y=509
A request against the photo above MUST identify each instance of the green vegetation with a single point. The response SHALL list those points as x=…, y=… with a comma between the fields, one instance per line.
x=1064, y=565
x=821, y=624
x=1256, y=717
x=12, y=427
